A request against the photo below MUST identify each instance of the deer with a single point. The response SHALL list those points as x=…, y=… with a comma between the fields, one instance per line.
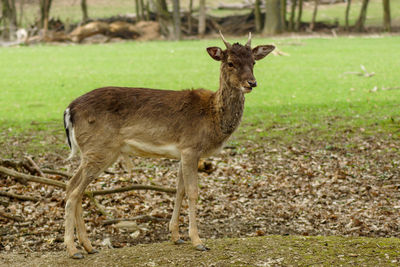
x=186, y=125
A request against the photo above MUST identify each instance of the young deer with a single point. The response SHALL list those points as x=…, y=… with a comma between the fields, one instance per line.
x=185, y=125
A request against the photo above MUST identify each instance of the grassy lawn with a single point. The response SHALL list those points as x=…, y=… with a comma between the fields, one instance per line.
x=306, y=89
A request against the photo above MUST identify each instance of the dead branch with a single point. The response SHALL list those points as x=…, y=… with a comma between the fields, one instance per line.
x=11, y=217
x=34, y=165
x=26, y=177
x=60, y=173
x=20, y=197
x=133, y=187
x=98, y=206
x=137, y=218
x=42, y=180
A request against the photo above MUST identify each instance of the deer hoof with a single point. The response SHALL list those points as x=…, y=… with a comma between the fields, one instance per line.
x=93, y=251
x=179, y=242
x=201, y=248
x=77, y=256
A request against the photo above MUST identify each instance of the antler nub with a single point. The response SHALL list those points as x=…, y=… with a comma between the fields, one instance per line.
x=228, y=45
x=249, y=40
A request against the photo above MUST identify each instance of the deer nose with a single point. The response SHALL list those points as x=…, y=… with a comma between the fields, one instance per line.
x=252, y=83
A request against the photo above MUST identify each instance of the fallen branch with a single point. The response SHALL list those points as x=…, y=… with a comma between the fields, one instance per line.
x=98, y=206
x=26, y=177
x=11, y=217
x=137, y=218
x=34, y=166
x=133, y=187
x=60, y=173
x=20, y=197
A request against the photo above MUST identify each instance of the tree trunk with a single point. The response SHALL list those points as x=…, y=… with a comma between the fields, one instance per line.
x=273, y=22
x=177, y=19
x=299, y=14
x=386, y=15
x=190, y=26
x=21, y=12
x=257, y=14
x=138, y=11
x=85, y=15
x=163, y=17
x=44, y=14
x=360, y=24
x=314, y=15
x=283, y=14
x=347, y=14
x=292, y=14
x=202, y=18
x=142, y=7
x=9, y=18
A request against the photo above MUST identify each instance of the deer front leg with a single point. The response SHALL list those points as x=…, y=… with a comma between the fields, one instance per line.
x=189, y=163
x=174, y=223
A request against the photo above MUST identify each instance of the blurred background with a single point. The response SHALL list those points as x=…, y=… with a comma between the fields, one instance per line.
x=76, y=20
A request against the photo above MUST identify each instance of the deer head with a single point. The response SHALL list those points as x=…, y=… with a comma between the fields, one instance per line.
x=237, y=63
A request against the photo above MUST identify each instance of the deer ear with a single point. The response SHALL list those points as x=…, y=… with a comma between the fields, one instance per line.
x=262, y=51
x=215, y=52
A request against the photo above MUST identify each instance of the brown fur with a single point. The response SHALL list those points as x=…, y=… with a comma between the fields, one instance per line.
x=111, y=121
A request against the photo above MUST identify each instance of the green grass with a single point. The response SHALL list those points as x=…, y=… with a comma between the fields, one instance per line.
x=38, y=82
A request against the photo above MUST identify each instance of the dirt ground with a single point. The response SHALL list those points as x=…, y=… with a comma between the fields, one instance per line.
x=256, y=251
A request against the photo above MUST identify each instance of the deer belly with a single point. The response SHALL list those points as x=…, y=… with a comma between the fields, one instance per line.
x=151, y=150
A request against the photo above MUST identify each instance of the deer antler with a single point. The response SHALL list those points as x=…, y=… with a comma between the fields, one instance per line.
x=228, y=45
x=249, y=40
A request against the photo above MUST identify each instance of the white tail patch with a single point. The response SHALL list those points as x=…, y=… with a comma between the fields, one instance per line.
x=71, y=134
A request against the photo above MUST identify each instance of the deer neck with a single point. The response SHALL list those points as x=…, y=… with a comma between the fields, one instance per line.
x=229, y=105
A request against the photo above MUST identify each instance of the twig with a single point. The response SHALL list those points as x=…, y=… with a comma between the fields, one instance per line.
x=97, y=204
x=137, y=218
x=60, y=173
x=12, y=217
x=42, y=180
x=20, y=197
x=133, y=187
x=27, y=177
x=34, y=165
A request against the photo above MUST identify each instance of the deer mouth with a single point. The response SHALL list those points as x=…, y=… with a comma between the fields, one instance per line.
x=246, y=89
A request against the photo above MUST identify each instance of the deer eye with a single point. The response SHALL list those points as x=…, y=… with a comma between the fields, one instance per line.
x=254, y=63
x=230, y=64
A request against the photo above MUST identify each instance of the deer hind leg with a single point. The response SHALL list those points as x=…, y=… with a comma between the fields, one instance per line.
x=81, y=229
x=174, y=223
x=70, y=213
x=89, y=170
x=190, y=177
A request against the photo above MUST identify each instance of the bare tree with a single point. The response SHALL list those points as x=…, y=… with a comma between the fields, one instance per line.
x=347, y=14
x=292, y=15
x=176, y=14
x=44, y=15
x=257, y=15
x=8, y=18
x=360, y=24
x=163, y=17
x=190, y=26
x=273, y=22
x=299, y=15
x=386, y=15
x=283, y=14
x=314, y=16
x=202, y=18
x=85, y=15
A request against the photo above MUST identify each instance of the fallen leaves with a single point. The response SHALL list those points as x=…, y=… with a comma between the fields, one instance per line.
x=347, y=186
